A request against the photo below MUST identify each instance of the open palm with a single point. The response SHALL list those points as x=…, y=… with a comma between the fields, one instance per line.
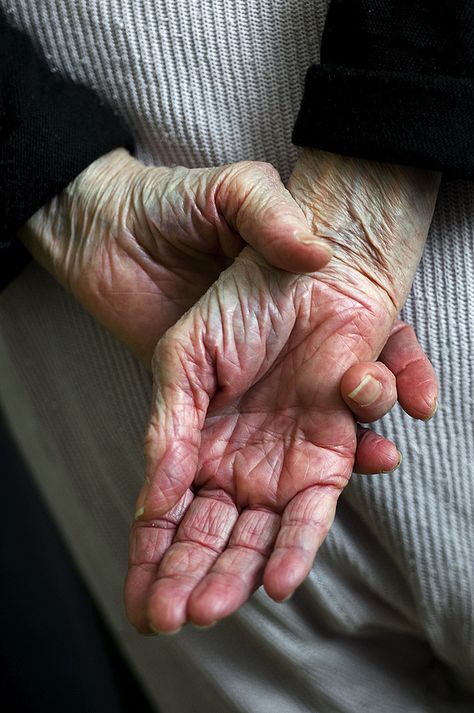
x=251, y=436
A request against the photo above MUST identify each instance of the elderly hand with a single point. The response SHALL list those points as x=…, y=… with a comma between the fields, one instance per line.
x=137, y=246
x=250, y=442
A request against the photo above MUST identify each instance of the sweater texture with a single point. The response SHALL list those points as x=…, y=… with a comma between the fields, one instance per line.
x=385, y=621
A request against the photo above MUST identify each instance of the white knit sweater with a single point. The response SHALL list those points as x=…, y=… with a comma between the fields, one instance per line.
x=385, y=622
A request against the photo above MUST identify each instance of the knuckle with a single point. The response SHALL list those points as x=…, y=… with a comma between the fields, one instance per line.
x=259, y=169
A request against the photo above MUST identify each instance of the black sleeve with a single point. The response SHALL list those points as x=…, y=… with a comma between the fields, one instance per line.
x=395, y=83
x=50, y=131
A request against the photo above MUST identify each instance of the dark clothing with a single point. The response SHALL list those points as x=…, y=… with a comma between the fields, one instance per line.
x=395, y=83
x=50, y=131
x=56, y=653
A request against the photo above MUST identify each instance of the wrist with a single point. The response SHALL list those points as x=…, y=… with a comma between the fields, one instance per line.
x=375, y=216
x=68, y=225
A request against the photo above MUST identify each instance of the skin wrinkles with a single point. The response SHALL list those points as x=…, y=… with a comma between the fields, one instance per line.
x=118, y=203
x=177, y=238
x=383, y=208
x=281, y=436
x=261, y=438
x=184, y=564
x=213, y=529
x=243, y=207
x=242, y=469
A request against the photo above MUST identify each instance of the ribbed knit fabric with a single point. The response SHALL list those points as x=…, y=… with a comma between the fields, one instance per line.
x=385, y=621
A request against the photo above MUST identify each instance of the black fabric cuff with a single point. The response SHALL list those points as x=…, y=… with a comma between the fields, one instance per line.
x=50, y=131
x=67, y=129
x=419, y=120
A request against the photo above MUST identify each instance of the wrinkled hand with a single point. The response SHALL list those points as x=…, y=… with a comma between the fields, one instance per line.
x=137, y=246
x=251, y=442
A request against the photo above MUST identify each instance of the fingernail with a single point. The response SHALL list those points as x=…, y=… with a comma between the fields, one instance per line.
x=286, y=599
x=164, y=633
x=206, y=626
x=400, y=460
x=142, y=498
x=433, y=412
x=367, y=392
x=315, y=243
x=139, y=513
x=172, y=632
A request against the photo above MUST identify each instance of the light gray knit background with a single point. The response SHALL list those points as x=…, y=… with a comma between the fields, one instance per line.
x=385, y=622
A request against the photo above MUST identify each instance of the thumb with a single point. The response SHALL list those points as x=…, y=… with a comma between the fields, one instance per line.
x=180, y=402
x=257, y=205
